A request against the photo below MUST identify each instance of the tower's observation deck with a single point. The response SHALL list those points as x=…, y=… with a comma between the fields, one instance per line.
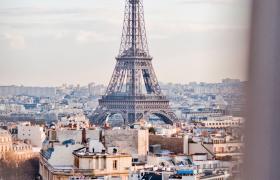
x=134, y=90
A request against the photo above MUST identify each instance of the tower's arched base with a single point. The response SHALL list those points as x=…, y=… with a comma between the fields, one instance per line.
x=133, y=110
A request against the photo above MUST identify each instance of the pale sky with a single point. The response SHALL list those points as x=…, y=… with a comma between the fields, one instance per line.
x=50, y=42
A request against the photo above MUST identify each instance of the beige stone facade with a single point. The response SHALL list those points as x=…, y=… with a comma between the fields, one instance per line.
x=22, y=151
x=13, y=150
x=173, y=144
x=89, y=165
x=131, y=141
x=6, y=144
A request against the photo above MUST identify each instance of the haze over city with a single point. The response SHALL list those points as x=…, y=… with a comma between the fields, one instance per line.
x=139, y=89
x=69, y=41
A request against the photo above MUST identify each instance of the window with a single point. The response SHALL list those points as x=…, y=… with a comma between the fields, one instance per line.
x=76, y=162
x=115, y=164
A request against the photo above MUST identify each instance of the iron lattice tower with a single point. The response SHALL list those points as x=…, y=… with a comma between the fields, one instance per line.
x=134, y=91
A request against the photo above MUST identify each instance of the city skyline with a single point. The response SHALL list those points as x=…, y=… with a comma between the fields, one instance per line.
x=105, y=85
x=51, y=43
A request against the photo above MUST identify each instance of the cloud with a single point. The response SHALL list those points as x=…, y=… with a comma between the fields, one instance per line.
x=69, y=14
x=26, y=11
x=215, y=27
x=91, y=36
x=164, y=31
x=158, y=36
x=206, y=1
x=16, y=40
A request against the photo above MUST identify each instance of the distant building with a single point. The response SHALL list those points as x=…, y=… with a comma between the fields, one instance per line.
x=21, y=151
x=6, y=144
x=13, y=150
x=227, y=146
x=169, y=131
x=11, y=108
x=74, y=120
x=223, y=122
x=231, y=81
x=174, y=167
x=96, y=90
x=29, y=91
x=35, y=134
x=220, y=176
x=201, y=114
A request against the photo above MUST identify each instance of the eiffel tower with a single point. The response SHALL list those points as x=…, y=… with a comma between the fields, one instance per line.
x=134, y=91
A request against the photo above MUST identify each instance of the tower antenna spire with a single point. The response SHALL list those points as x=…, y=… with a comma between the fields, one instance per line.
x=134, y=40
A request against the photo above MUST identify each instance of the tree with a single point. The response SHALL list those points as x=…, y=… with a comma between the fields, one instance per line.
x=11, y=169
x=152, y=130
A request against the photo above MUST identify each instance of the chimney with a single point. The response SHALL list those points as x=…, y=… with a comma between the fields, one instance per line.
x=84, y=136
